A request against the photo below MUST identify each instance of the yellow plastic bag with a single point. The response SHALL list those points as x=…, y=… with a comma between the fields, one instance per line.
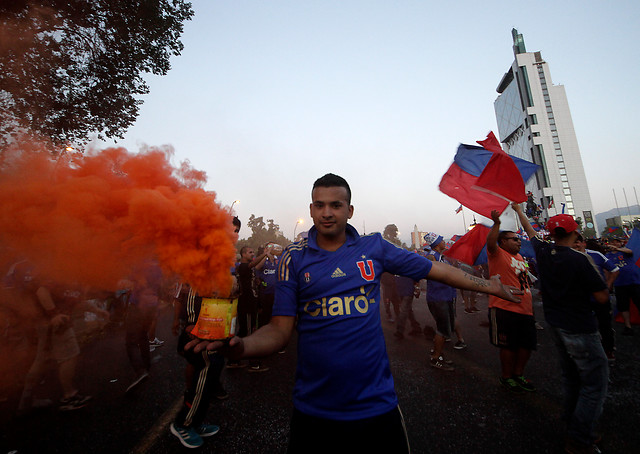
x=217, y=319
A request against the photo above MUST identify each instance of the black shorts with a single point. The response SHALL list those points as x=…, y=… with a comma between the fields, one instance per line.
x=512, y=330
x=624, y=295
x=444, y=314
x=383, y=433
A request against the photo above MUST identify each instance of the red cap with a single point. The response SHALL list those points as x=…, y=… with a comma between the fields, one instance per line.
x=564, y=221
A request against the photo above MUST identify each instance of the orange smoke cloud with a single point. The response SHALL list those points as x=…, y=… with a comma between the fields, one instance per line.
x=92, y=219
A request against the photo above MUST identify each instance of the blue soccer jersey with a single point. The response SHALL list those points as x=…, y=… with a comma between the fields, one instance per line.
x=343, y=370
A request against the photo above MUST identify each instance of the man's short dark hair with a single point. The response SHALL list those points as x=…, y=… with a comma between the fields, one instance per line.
x=236, y=222
x=244, y=248
x=331, y=180
x=560, y=234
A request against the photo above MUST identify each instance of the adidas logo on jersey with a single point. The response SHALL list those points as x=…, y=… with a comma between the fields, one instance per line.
x=338, y=273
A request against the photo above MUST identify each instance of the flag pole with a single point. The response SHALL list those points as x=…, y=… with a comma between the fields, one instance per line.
x=616, y=200
x=464, y=230
x=626, y=201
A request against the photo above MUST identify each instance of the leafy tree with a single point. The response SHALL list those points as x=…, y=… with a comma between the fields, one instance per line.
x=262, y=233
x=72, y=68
x=391, y=234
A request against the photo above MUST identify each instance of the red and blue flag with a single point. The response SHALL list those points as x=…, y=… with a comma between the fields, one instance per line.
x=485, y=178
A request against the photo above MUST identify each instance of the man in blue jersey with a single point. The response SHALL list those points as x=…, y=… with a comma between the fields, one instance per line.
x=627, y=284
x=344, y=397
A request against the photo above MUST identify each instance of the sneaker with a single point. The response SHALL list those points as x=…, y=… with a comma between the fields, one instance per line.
x=221, y=394
x=156, y=342
x=258, y=368
x=440, y=363
x=524, y=383
x=138, y=381
x=611, y=357
x=575, y=447
x=460, y=345
x=398, y=335
x=152, y=348
x=282, y=351
x=447, y=361
x=511, y=385
x=539, y=326
x=627, y=331
x=469, y=311
x=41, y=403
x=187, y=436
x=235, y=365
x=74, y=403
x=207, y=430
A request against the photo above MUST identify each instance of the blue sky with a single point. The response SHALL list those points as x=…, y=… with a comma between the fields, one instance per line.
x=268, y=96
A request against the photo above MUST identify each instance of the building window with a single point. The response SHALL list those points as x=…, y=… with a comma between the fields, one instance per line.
x=563, y=177
x=567, y=191
x=565, y=185
x=568, y=198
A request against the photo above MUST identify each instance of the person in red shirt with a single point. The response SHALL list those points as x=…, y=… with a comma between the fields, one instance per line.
x=511, y=325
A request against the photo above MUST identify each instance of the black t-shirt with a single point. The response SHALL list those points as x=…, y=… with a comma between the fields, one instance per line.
x=246, y=278
x=567, y=281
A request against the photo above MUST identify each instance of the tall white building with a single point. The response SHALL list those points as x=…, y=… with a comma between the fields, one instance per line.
x=534, y=123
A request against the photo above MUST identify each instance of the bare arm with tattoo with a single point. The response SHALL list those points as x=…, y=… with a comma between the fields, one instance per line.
x=457, y=278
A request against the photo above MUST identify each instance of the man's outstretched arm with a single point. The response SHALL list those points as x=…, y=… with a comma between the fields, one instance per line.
x=455, y=277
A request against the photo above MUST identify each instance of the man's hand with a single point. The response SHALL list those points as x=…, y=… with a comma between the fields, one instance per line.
x=495, y=216
x=232, y=348
x=506, y=292
x=59, y=321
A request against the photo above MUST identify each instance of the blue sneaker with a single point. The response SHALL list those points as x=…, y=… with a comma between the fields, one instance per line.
x=207, y=430
x=187, y=436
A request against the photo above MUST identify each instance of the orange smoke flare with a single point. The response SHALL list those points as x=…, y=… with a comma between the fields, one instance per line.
x=92, y=219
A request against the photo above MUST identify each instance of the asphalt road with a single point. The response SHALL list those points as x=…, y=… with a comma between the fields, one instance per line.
x=464, y=411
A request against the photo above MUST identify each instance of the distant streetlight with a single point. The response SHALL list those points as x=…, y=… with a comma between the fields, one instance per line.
x=231, y=207
x=299, y=221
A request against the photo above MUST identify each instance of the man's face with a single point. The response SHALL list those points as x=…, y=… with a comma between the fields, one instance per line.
x=330, y=210
x=440, y=247
x=580, y=244
x=511, y=243
x=248, y=255
x=616, y=243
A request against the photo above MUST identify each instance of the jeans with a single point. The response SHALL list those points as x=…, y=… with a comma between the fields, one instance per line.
x=406, y=312
x=585, y=374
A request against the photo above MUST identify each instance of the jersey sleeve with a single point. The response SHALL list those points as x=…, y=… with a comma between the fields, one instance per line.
x=404, y=263
x=286, y=296
x=608, y=265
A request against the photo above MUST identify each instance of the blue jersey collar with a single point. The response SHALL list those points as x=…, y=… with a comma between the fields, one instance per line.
x=352, y=237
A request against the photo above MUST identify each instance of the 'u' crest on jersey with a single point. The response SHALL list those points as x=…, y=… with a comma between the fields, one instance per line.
x=367, y=275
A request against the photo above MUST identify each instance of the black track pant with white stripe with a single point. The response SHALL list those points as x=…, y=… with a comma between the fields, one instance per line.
x=207, y=367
